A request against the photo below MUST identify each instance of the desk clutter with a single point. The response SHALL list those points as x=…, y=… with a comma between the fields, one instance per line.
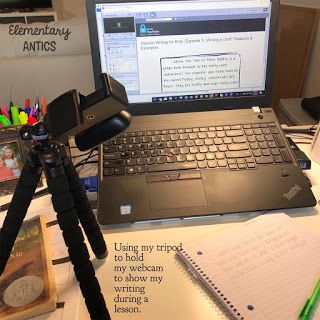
x=29, y=114
x=262, y=269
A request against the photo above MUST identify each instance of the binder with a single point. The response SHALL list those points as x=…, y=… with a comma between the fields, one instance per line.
x=262, y=269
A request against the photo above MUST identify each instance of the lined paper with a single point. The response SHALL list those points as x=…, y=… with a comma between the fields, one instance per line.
x=264, y=268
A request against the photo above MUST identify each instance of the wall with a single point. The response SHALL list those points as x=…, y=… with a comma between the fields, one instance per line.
x=67, y=9
x=312, y=80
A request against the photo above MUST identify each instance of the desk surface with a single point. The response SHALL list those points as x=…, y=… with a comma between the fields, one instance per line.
x=177, y=296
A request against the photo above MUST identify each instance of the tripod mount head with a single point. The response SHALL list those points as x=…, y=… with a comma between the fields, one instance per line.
x=91, y=119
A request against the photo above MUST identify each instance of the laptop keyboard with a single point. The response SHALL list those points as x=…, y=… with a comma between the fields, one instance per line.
x=237, y=147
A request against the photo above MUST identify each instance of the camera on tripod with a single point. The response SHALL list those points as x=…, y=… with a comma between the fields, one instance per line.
x=91, y=119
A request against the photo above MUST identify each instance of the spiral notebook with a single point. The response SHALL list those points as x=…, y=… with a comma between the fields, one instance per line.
x=262, y=269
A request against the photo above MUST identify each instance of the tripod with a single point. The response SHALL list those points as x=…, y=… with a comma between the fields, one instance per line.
x=71, y=204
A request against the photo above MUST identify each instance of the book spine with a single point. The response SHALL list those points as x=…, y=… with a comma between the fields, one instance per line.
x=208, y=284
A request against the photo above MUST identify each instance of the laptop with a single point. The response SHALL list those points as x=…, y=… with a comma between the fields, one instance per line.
x=203, y=139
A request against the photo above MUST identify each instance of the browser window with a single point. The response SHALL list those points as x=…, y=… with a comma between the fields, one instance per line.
x=185, y=50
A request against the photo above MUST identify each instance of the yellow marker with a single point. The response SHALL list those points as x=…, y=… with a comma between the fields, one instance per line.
x=23, y=116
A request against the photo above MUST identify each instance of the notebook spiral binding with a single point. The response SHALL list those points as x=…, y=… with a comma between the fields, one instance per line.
x=209, y=286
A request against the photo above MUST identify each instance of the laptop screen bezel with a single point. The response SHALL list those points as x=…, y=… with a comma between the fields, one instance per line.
x=195, y=105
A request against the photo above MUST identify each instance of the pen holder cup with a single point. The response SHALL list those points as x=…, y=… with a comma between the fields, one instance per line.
x=315, y=146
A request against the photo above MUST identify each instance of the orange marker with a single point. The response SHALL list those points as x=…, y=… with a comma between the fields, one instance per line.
x=43, y=106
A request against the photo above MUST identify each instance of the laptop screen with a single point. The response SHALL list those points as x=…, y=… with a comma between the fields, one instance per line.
x=185, y=51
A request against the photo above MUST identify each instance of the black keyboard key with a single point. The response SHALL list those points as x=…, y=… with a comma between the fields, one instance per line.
x=161, y=159
x=266, y=152
x=233, y=166
x=202, y=164
x=191, y=157
x=119, y=171
x=256, y=153
x=112, y=156
x=172, y=166
x=131, y=162
x=242, y=166
x=142, y=146
x=141, y=161
x=161, y=145
x=202, y=135
x=171, y=144
x=212, y=163
x=155, y=153
x=146, y=139
x=193, y=136
x=122, y=148
x=181, y=143
x=109, y=149
x=113, y=163
x=135, y=154
x=136, y=140
x=277, y=159
x=171, y=159
x=285, y=155
x=131, y=170
x=238, y=147
x=200, y=156
x=199, y=142
x=237, y=154
x=239, y=140
x=145, y=153
x=279, y=141
x=175, y=151
x=108, y=172
x=181, y=158
x=234, y=133
x=222, y=163
x=151, y=160
x=174, y=137
x=151, y=145
x=141, y=169
x=190, y=143
x=125, y=155
x=264, y=160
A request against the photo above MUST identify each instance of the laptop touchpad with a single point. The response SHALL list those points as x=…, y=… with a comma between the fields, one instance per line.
x=169, y=191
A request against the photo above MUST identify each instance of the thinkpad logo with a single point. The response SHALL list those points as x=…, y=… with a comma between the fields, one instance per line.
x=292, y=192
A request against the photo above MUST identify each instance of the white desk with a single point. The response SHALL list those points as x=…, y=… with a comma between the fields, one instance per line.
x=178, y=296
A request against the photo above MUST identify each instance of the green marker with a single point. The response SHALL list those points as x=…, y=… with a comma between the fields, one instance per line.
x=309, y=306
x=4, y=120
x=15, y=115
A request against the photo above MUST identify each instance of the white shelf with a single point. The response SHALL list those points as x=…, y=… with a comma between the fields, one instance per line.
x=28, y=17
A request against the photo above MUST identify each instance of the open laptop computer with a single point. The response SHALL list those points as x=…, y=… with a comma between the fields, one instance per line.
x=198, y=76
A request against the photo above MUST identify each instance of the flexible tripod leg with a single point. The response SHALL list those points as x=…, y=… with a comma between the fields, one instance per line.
x=18, y=208
x=83, y=208
x=64, y=205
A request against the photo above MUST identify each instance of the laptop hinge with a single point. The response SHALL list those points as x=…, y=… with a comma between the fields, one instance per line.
x=256, y=109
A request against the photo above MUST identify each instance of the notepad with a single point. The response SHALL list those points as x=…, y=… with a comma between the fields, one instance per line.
x=262, y=269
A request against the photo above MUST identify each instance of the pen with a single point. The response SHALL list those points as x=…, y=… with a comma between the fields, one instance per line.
x=310, y=304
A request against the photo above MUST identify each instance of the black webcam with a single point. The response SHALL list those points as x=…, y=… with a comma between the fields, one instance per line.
x=91, y=119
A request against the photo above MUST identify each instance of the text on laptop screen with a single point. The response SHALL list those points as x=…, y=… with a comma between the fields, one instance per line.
x=185, y=50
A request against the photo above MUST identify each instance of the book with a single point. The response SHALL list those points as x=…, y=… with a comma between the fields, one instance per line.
x=262, y=269
x=27, y=286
